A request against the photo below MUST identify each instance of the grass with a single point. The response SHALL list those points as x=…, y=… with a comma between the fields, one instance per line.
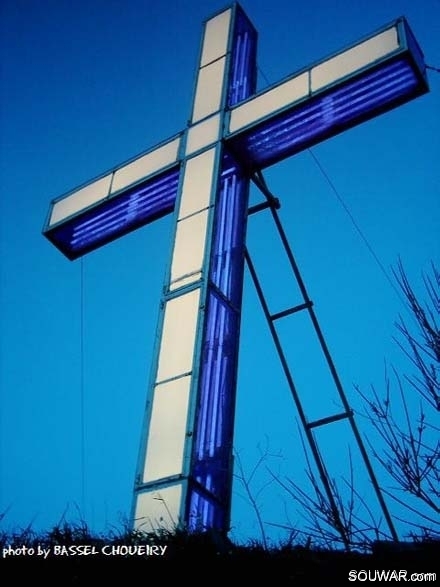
x=70, y=554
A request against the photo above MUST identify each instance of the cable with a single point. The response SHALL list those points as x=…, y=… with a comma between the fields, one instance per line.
x=437, y=69
x=264, y=76
x=82, y=402
x=356, y=225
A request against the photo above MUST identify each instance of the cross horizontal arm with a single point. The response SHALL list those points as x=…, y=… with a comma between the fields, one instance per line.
x=354, y=85
x=126, y=197
x=373, y=76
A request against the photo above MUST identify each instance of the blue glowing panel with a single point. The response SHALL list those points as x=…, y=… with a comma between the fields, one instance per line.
x=213, y=448
x=229, y=234
x=212, y=456
x=205, y=512
x=315, y=119
x=243, y=80
x=116, y=216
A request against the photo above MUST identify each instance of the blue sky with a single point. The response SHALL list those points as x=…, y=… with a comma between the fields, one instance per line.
x=88, y=85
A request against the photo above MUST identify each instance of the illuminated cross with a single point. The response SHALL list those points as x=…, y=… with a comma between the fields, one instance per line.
x=184, y=472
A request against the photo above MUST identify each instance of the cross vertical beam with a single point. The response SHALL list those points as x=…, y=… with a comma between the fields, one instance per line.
x=185, y=462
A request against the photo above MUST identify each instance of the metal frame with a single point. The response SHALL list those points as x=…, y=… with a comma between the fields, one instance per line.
x=307, y=305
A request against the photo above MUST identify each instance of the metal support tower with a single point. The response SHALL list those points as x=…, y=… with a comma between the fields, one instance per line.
x=308, y=426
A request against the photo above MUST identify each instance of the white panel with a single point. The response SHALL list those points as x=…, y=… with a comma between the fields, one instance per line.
x=209, y=90
x=158, y=509
x=197, y=183
x=146, y=165
x=178, y=336
x=189, y=248
x=355, y=58
x=269, y=102
x=203, y=134
x=167, y=432
x=186, y=280
x=215, y=42
x=86, y=196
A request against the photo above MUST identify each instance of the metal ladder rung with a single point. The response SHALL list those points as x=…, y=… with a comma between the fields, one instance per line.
x=329, y=420
x=292, y=310
x=273, y=203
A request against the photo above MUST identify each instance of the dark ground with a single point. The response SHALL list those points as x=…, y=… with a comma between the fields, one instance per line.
x=204, y=560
